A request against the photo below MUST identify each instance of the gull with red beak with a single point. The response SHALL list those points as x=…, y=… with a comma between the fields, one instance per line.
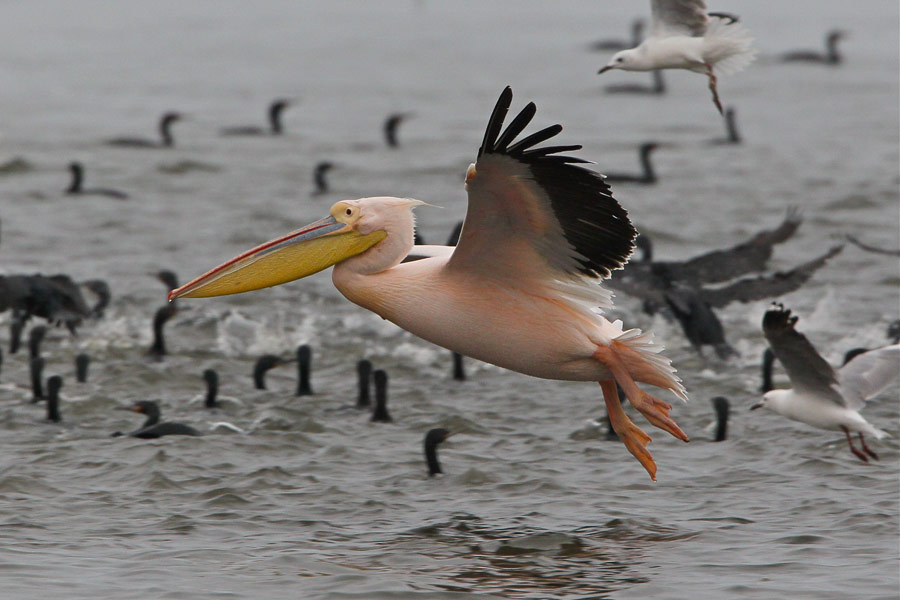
x=520, y=290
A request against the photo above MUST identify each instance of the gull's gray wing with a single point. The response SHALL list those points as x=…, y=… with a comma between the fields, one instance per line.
x=806, y=368
x=678, y=17
x=869, y=373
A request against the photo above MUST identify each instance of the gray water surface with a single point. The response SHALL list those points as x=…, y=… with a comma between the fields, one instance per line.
x=316, y=501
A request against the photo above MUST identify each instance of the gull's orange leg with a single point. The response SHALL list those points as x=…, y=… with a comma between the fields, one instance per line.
x=618, y=359
x=713, y=88
x=634, y=437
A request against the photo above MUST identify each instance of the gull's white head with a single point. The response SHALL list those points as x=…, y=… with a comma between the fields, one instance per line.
x=384, y=225
x=773, y=400
x=627, y=60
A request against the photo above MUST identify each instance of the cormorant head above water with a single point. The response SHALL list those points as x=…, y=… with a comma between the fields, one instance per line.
x=165, y=132
x=152, y=427
x=54, y=383
x=274, y=117
x=391, y=124
x=364, y=375
x=160, y=318
x=76, y=187
x=212, y=388
x=263, y=364
x=433, y=438
x=319, y=177
x=380, y=414
x=304, y=370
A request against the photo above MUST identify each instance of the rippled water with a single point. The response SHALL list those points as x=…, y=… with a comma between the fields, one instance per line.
x=316, y=502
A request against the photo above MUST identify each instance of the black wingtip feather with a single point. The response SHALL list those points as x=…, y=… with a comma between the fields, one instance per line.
x=593, y=222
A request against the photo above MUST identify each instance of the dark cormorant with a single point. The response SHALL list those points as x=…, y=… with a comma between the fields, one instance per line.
x=319, y=177
x=431, y=441
x=82, y=361
x=733, y=136
x=212, y=388
x=56, y=298
x=722, y=408
x=263, y=364
x=152, y=428
x=304, y=366
x=54, y=383
x=15, y=334
x=35, y=339
x=166, y=140
x=168, y=278
x=648, y=175
x=390, y=128
x=364, y=372
x=36, y=368
x=380, y=414
x=274, y=112
x=75, y=188
x=163, y=314
x=831, y=56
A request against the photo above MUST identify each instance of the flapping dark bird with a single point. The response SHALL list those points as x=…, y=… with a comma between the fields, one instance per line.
x=56, y=298
x=165, y=134
x=275, y=127
x=76, y=189
x=831, y=56
x=152, y=427
x=647, y=175
x=432, y=440
x=100, y=289
x=869, y=248
x=822, y=396
x=380, y=414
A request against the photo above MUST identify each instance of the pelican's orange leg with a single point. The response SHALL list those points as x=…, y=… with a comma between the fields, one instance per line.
x=634, y=437
x=655, y=410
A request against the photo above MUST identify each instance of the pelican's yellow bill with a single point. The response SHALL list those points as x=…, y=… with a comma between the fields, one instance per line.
x=291, y=257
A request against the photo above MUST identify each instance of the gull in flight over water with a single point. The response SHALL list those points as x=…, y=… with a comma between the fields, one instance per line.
x=520, y=290
x=821, y=396
x=684, y=36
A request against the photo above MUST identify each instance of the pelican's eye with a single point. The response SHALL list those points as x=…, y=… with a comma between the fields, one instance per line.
x=348, y=212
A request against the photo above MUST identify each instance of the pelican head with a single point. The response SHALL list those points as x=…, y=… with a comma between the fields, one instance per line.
x=352, y=227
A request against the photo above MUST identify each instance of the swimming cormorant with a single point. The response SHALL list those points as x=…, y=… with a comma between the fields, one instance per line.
x=82, y=361
x=304, y=366
x=152, y=427
x=274, y=113
x=831, y=56
x=262, y=365
x=319, y=173
x=380, y=414
x=390, y=128
x=364, y=373
x=75, y=188
x=165, y=132
x=54, y=383
x=431, y=441
x=163, y=314
x=648, y=175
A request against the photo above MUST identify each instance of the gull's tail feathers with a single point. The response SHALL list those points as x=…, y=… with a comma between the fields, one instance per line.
x=728, y=46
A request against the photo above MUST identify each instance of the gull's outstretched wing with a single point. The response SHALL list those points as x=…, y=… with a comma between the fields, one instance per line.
x=678, y=17
x=535, y=216
x=767, y=286
x=805, y=367
x=869, y=373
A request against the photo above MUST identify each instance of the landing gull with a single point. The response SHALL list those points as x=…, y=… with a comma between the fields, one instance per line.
x=822, y=397
x=684, y=36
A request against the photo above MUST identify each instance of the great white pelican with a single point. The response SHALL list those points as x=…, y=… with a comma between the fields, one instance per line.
x=520, y=290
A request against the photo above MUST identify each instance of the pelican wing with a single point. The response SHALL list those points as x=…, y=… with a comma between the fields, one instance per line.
x=534, y=216
x=869, y=373
x=678, y=17
x=806, y=368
